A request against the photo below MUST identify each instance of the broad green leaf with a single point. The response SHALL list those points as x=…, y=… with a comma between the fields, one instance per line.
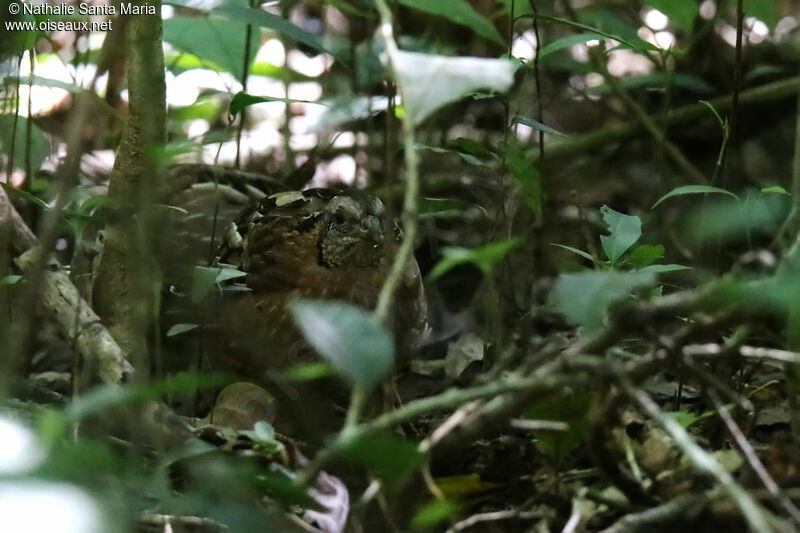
x=632, y=42
x=220, y=42
x=775, y=189
x=574, y=251
x=764, y=10
x=241, y=100
x=357, y=345
x=584, y=298
x=536, y=125
x=434, y=514
x=432, y=81
x=483, y=257
x=681, y=12
x=693, y=189
x=177, y=329
x=459, y=12
x=646, y=254
x=11, y=279
x=570, y=40
x=387, y=456
x=624, y=231
x=259, y=17
x=661, y=269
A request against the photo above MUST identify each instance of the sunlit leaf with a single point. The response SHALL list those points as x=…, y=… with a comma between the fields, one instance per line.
x=624, y=231
x=221, y=42
x=357, y=345
x=661, y=269
x=583, y=298
x=241, y=100
x=568, y=41
x=693, y=189
x=432, y=81
x=775, y=189
x=433, y=514
x=177, y=329
x=484, y=257
x=536, y=125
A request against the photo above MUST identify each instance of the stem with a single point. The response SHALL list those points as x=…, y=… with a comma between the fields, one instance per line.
x=409, y=216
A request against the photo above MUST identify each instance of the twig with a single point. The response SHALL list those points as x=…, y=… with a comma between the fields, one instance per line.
x=496, y=516
x=753, y=352
x=409, y=215
x=752, y=458
x=702, y=460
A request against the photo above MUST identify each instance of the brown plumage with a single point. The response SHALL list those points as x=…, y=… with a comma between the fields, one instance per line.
x=317, y=243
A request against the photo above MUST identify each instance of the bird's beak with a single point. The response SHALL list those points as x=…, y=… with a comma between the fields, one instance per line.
x=373, y=228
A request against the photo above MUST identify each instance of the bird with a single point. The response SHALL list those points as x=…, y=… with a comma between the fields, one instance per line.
x=317, y=244
x=331, y=244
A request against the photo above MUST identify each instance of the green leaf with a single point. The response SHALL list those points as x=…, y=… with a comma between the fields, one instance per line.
x=568, y=41
x=177, y=329
x=574, y=251
x=525, y=172
x=681, y=12
x=11, y=279
x=241, y=100
x=646, y=254
x=357, y=345
x=764, y=10
x=775, y=189
x=25, y=195
x=259, y=17
x=570, y=408
x=220, y=42
x=204, y=279
x=431, y=81
x=624, y=231
x=661, y=269
x=434, y=513
x=536, y=125
x=583, y=298
x=387, y=456
x=722, y=122
x=459, y=12
x=345, y=109
x=633, y=43
x=694, y=189
x=484, y=257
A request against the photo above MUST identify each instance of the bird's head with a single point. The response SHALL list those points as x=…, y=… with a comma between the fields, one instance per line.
x=353, y=227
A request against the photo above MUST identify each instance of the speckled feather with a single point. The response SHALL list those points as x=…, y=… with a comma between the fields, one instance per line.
x=279, y=243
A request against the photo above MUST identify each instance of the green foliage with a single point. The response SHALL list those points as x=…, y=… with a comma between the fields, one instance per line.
x=177, y=329
x=624, y=231
x=570, y=408
x=584, y=298
x=13, y=130
x=483, y=257
x=206, y=279
x=220, y=42
x=524, y=171
x=358, y=346
x=433, y=514
x=681, y=12
x=764, y=10
x=569, y=41
x=387, y=456
x=536, y=125
x=242, y=100
x=693, y=189
x=459, y=12
x=11, y=279
x=432, y=81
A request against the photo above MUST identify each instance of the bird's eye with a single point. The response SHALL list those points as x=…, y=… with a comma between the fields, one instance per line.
x=339, y=217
